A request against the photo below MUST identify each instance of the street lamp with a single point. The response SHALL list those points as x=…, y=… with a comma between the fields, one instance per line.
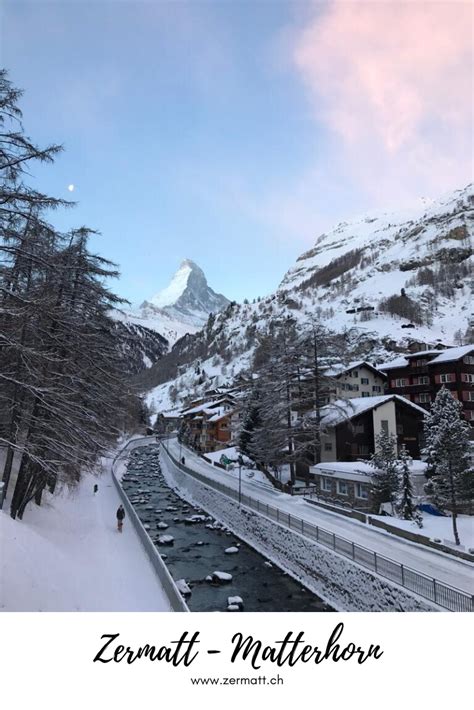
x=241, y=461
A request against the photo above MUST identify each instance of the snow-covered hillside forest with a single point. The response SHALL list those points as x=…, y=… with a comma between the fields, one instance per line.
x=62, y=395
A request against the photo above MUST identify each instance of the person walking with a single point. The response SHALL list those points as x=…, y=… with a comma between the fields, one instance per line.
x=120, y=517
x=96, y=488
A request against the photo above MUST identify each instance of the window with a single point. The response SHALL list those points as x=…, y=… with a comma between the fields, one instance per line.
x=384, y=425
x=355, y=373
x=422, y=380
x=424, y=398
x=469, y=359
x=326, y=484
x=468, y=396
x=328, y=446
x=355, y=388
x=342, y=488
x=359, y=429
x=420, y=363
x=399, y=429
x=402, y=382
x=361, y=491
x=446, y=378
x=376, y=388
x=466, y=377
x=365, y=394
x=364, y=380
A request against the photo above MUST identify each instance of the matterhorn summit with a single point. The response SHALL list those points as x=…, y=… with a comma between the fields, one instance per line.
x=188, y=297
x=181, y=307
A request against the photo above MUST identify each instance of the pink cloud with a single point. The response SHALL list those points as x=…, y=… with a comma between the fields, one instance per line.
x=393, y=80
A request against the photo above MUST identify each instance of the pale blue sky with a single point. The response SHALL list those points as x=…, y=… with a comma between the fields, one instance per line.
x=204, y=130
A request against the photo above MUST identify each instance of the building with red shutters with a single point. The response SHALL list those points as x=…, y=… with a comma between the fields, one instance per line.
x=419, y=376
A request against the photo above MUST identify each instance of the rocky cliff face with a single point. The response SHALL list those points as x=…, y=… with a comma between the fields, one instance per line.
x=140, y=347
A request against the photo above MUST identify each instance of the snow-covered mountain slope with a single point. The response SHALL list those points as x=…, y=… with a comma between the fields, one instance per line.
x=395, y=277
x=180, y=308
x=419, y=260
x=140, y=347
x=157, y=320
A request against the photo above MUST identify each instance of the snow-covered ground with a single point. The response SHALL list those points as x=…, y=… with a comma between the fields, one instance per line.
x=67, y=555
x=445, y=568
x=438, y=527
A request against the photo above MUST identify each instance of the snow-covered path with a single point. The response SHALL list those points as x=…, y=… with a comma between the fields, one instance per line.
x=68, y=556
x=444, y=568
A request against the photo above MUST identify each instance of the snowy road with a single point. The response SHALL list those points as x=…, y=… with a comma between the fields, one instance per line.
x=68, y=556
x=444, y=568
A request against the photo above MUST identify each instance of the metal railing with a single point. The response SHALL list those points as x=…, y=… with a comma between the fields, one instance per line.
x=440, y=593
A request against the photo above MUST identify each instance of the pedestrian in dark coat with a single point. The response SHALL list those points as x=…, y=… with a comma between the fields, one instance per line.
x=120, y=517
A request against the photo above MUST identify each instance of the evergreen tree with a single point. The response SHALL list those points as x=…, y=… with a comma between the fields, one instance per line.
x=60, y=369
x=251, y=420
x=447, y=437
x=406, y=508
x=385, y=479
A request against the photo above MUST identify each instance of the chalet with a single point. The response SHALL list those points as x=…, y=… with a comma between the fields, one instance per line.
x=168, y=422
x=349, y=483
x=350, y=426
x=358, y=379
x=210, y=426
x=419, y=376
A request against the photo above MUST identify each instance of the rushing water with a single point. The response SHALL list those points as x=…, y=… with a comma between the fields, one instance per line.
x=198, y=548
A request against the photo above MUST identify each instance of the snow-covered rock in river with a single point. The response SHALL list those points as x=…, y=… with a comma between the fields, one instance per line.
x=235, y=604
x=219, y=577
x=183, y=587
x=162, y=526
x=165, y=540
x=195, y=519
x=231, y=550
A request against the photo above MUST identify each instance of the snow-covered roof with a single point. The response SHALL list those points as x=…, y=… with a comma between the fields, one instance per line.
x=421, y=353
x=336, y=370
x=173, y=414
x=440, y=356
x=453, y=354
x=359, y=470
x=220, y=414
x=343, y=409
x=392, y=364
x=205, y=406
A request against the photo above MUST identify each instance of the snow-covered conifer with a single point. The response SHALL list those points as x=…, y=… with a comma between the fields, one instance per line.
x=447, y=437
x=385, y=482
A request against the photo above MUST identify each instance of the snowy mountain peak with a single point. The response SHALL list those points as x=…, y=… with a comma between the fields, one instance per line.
x=182, y=307
x=169, y=295
x=188, y=297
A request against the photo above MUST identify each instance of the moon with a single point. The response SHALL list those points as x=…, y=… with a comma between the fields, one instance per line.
x=71, y=188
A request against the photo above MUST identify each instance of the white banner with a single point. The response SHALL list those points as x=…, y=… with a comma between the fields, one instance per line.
x=150, y=660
